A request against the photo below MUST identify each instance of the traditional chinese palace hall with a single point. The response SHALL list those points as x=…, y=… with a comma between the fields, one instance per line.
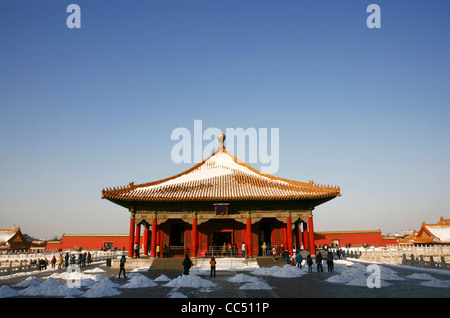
x=220, y=200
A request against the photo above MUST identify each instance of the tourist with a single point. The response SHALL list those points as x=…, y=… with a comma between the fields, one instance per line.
x=157, y=250
x=330, y=263
x=80, y=259
x=264, y=248
x=136, y=250
x=235, y=249
x=213, y=267
x=243, y=249
x=224, y=249
x=165, y=251
x=60, y=261
x=319, y=259
x=298, y=260
x=89, y=258
x=66, y=258
x=122, y=266
x=274, y=253
x=53, y=261
x=187, y=263
x=309, y=262
x=286, y=256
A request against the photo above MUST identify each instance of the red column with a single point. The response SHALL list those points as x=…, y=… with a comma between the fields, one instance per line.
x=299, y=235
x=146, y=239
x=305, y=236
x=131, y=236
x=248, y=233
x=289, y=234
x=138, y=235
x=153, y=245
x=194, y=237
x=311, y=236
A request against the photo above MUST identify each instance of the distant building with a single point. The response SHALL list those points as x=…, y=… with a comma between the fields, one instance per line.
x=438, y=233
x=13, y=239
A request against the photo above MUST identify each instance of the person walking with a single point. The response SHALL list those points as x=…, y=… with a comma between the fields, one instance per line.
x=319, y=259
x=330, y=263
x=213, y=267
x=309, y=262
x=123, y=260
x=274, y=253
x=187, y=263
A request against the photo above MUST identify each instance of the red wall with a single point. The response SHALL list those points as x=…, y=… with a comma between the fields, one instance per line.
x=89, y=242
x=96, y=241
x=355, y=238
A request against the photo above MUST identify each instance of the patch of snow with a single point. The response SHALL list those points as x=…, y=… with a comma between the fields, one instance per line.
x=6, y=291
x=139, y=281
x=283, y=272
x=51, y=287
x=192, y=281
x=177, y=295
x=162, y=278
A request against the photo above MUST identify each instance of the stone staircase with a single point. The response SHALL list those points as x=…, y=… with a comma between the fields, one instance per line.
x=170, y=263
x=267, y=261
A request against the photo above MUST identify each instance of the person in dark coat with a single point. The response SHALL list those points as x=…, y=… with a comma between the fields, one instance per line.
x=66, y=259
x=122, y=266
x=187, y=263
x=330, y=263
x=309, y=262
x=319, y=259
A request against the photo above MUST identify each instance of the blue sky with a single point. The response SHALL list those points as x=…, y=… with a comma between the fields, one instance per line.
x=89, y=108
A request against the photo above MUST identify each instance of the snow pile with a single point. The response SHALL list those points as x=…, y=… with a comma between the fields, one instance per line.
x=139, y=281
x=256, y=285
x=177, y=295
x=286, y=271
x=103, y=288
x=361, y=275
x=51, y=287
x=6, y=291
x=243, y=278
x=162, y=278
x=430, y=281
x=192, y=281
x=30, y=281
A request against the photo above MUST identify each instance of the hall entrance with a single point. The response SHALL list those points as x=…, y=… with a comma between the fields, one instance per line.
x=220, y=238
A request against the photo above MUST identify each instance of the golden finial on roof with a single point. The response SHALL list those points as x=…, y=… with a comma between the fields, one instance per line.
x=221, y=138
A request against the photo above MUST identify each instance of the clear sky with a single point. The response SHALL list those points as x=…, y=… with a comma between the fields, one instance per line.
x=82, y=109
